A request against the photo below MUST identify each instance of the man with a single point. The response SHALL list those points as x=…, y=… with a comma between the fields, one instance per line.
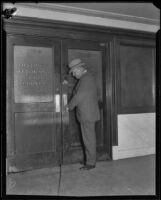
x=86, y=102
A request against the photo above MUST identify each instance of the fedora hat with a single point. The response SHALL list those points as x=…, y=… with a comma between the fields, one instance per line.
x=75, y=63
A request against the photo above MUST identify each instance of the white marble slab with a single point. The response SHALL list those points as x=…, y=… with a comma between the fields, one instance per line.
x=136, y=135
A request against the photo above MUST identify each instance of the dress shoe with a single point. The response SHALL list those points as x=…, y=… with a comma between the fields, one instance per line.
x=87, y=167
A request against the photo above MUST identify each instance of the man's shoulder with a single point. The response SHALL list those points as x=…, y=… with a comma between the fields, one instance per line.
x=87, y=81
x=88, y=76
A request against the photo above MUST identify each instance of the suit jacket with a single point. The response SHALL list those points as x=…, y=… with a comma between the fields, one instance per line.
x=85, y=99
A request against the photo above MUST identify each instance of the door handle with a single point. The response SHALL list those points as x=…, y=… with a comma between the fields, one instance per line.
x=57, y=103
x=65, y=103
x=65, y=109
x=65, y=99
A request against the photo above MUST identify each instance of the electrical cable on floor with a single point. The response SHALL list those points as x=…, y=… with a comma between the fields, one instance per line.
x=59, y=184
x=61, y=116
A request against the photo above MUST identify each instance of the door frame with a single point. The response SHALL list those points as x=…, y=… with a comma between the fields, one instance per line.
x=103, y=47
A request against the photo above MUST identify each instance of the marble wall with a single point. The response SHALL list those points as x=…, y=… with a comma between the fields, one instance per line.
x=136, y=135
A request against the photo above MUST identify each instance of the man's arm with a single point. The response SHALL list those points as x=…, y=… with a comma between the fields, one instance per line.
x=78, y=97
x=80, y=94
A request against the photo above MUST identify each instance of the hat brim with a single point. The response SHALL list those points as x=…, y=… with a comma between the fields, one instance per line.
x=76, y=66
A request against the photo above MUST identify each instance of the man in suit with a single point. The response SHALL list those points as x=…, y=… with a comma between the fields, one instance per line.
x=86, y=102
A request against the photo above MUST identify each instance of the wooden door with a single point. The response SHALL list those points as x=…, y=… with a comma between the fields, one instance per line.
x=33, y=102
x=40, y=131
x=94, y=55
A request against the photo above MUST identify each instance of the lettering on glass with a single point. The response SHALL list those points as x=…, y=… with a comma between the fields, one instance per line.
x=33, y=71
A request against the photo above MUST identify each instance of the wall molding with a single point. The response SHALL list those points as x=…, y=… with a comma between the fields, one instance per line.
x=121, y=153
x=91, y=12
x=52, y=27
x=33, y=10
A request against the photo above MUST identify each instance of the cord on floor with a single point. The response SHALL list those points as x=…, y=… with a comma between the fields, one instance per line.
x=59, y=186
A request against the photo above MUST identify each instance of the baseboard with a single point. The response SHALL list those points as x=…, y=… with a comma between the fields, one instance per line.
x=120, y=153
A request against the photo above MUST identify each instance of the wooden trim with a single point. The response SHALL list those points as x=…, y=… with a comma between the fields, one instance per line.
x=137, y=110
x=36, y=24
x=9, y=98
x=111, y=115
x=90, y=12
x=4, y=105
x=114, y=94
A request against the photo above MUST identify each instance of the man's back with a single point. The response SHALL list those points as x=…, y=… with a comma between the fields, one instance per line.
x=87, y=108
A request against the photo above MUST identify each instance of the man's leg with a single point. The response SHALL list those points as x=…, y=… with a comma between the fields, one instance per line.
x=89, y=139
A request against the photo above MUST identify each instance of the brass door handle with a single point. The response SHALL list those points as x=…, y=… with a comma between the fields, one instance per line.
x=65, y=109
x=65, y=99
x=65, y=102
x=57, y=103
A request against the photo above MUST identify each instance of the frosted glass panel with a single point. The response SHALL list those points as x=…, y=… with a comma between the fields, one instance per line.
x=33, y=74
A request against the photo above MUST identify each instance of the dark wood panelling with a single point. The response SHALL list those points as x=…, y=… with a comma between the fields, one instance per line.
x=68, y=29
x=34, y=132
x=112, y=38
x=33, y=127
x=135, y=76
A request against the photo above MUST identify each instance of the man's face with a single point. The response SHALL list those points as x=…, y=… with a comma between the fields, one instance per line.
x=77, y=72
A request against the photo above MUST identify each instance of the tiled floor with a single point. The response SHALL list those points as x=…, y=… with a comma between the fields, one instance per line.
x=133, y=176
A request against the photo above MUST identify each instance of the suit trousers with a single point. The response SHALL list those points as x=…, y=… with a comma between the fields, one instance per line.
x=89, y=139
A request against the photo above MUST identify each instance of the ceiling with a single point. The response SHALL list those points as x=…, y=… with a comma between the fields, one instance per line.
x=146, y=10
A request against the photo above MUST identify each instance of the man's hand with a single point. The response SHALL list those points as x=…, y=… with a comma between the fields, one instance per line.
x=66, y=108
